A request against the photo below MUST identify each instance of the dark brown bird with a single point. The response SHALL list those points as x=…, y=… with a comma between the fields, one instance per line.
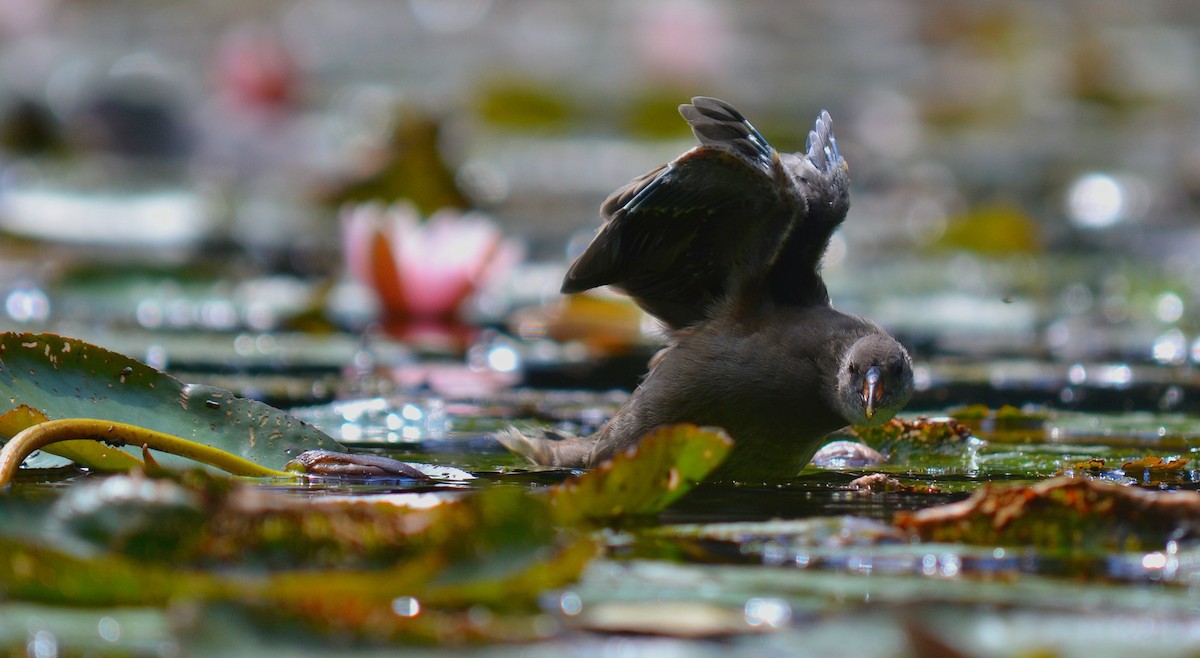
x=724, y=245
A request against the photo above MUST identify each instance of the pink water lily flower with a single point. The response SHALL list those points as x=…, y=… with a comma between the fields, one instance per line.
x=423, y=270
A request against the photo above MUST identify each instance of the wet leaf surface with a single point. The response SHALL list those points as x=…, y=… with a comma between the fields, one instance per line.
x=1062, y=517
x=64, y=378
x=666, y=465
x=917, y=439
x=960, y=539
x=446, y=566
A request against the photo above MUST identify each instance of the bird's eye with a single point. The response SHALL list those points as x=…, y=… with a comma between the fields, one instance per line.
x=853, y=368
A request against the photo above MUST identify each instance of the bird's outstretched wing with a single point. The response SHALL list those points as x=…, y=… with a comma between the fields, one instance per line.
x=820, y=176
x=675, y=238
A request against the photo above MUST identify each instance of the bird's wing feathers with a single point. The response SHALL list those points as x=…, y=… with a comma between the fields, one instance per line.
x=716, y=123
x=673, y=236
x=678, y=238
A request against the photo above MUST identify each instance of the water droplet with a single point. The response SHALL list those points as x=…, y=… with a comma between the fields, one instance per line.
x=1096, y=201
x=1168, y=307
x=406, y=606
x=570, y=604
x=109, y=629
x=1170, y=348
x=768, y=612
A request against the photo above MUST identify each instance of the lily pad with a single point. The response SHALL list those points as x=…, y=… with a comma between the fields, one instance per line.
x=905, y=440
x=498, y=547
x=1155, y=470
x=1061, y=516
x=644, y=480
x=63, y=378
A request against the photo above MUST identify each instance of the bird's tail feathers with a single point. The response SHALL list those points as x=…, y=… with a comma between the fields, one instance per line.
x=547, y=448
x=822, y=148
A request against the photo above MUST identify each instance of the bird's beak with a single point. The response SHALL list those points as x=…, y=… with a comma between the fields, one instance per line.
x=872, y=391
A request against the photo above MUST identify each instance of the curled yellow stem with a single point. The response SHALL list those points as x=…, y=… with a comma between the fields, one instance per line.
x=40, y=435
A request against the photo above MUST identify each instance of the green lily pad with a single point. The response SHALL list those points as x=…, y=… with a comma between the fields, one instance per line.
x=665, y=465
x=497, y=549
x=35, y=572
x=68, y=378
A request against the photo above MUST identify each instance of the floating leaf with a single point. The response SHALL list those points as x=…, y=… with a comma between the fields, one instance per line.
x=63, y=378
x=1153, y=470
x=1093, y=466
x=1063, y=516
x=158, y=519
x=34, y=572
x=645, y=479
x=498, y=548
x=1008, y=423
x=903, y=440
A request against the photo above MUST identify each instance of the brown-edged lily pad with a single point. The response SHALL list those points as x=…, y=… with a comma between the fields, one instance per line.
x=1155, y=470
x=1061, y=516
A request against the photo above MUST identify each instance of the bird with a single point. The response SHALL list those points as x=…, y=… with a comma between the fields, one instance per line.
x=724, y=246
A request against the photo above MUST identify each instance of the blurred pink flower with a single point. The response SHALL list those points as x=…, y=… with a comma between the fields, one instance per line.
x=423, y=270
x=255, y=69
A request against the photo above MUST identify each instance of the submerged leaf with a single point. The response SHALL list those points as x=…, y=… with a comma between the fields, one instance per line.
x=644, y=480
x=1064, y=516
x=65, y=378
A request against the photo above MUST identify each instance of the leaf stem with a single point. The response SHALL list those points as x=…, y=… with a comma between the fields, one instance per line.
x=72, y=429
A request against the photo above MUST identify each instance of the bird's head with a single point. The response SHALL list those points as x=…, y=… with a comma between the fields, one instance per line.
x=875, y=380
